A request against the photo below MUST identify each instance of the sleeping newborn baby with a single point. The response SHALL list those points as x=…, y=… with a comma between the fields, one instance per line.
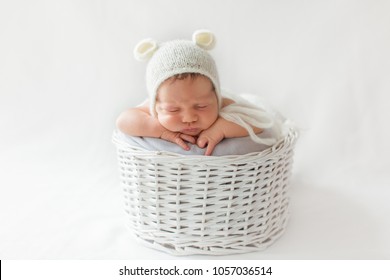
x=185, y=104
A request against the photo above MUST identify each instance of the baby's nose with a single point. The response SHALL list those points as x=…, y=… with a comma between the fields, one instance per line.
x=189, y=116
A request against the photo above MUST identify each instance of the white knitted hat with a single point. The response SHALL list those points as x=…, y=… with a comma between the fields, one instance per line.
x=177, y=57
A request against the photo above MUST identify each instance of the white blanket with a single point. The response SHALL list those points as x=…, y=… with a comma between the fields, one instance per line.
x=231, y=146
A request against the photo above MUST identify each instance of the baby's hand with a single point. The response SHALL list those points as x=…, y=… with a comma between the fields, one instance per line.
x=210, y=138
x=178, y=138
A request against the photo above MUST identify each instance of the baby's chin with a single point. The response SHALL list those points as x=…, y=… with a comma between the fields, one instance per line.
x=192, y=131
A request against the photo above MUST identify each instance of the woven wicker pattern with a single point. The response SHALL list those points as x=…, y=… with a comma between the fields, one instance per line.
x=207, y=205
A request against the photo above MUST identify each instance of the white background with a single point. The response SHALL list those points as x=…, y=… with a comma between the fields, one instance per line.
x=67, y=71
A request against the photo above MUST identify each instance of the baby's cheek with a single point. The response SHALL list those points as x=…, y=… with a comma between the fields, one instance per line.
x=212, y=117
x=169, y=122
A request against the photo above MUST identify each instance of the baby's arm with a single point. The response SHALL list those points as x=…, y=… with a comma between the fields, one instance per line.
x=138, y=122
x=222, y=129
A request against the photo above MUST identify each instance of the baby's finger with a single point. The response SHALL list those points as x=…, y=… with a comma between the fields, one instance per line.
x=181, y=143
x=201, y=142
x=210, y=148
x=188, y=138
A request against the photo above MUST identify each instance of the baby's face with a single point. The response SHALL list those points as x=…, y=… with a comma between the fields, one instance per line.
x=188, y=106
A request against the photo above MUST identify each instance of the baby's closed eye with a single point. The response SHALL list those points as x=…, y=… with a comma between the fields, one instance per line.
x=171, y=109
x=201, y=106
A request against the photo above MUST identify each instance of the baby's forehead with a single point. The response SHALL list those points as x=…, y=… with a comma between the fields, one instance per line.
x=188, y=89
x=167, y=98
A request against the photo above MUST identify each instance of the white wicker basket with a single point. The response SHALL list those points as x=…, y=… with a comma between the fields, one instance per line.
x=188, y=205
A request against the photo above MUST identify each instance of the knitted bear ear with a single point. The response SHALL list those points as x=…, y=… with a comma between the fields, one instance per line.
x=204, y=39
x=145, y=49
